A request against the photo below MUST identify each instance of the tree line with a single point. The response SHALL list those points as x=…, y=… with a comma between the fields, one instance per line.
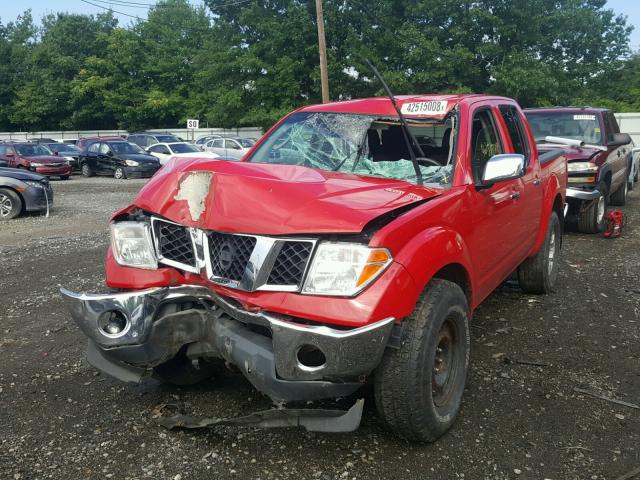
x=233, y=64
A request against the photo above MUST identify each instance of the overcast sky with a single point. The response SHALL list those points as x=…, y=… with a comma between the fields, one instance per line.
x=9, y=10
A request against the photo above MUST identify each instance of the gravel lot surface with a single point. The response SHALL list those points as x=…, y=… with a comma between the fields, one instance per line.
x=60, y=419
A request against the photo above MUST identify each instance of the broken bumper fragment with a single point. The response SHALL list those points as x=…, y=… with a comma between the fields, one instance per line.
x=582, y=195
x=285, y=358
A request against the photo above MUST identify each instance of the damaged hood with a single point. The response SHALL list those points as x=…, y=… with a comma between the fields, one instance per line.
x=571, y=153
x=265, y=199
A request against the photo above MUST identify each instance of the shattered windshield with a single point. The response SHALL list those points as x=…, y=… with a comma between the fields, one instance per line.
x=363, y=145
x=575, y=126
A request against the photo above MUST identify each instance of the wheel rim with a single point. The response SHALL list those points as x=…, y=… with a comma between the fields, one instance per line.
x=600, y=209
x=118, y=173
x=6, y=205
x=445, y=366
x=85, y=169
x=552, y=252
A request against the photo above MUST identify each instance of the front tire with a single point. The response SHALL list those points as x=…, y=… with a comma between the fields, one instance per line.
x=64, y=177
x=538, y=274
x=10, y=204
x=119, y=174
x=593, y=218
x=418, y=387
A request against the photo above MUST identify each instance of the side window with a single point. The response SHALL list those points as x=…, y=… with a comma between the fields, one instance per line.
x=485, y=142
x=232, y=144
x=612, y=125
x=515, y=130
x=93, y=148
x=3, y=150
x=217, y=143
x=149, y=140
x=156, y=149
x=104, y=148
x=134, y=139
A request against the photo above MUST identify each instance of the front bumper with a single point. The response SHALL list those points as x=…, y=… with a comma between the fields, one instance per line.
x=35, y=199
x=53, y=171
x=582, y=195
x=141, y=171
x=266, y=347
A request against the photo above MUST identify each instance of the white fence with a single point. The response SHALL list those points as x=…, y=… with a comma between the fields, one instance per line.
x=187, y=134
x=630, y=123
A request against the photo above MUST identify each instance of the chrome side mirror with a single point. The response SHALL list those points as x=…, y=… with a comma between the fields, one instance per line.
x=503, y=167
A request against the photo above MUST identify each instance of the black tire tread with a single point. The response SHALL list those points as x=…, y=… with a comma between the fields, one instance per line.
x=395, y=384
x=533, y=273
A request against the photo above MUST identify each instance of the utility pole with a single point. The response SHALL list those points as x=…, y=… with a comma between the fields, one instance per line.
x=324, y=75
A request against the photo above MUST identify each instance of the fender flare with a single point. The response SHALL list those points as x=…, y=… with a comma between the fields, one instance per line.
x=433, y=249
x=603, y=172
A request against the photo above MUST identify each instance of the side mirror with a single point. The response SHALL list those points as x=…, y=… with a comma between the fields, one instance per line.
x=55, y=152
x=620, y=139
x=503, y=167
x=109, y=153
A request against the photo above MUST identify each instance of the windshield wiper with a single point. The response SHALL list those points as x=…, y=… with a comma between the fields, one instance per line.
x=405, y=130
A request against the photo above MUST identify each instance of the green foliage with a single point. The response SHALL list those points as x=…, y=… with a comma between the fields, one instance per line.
x=249, y=63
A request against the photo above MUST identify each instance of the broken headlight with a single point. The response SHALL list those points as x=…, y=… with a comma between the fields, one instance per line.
x=586, y=167
x=132, y=245
x=344, y=269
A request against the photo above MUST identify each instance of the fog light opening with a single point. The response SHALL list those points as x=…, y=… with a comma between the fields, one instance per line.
x=113, y=323
x=310, y=358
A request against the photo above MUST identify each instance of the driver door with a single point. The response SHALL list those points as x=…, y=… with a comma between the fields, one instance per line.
x=105, y=159
x=496, y=234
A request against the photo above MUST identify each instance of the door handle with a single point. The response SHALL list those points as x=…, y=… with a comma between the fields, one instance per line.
x=619, y=153
x=515, y=195
x=536, y=182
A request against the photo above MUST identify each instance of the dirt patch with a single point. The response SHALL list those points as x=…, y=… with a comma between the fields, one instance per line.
x=521, y=417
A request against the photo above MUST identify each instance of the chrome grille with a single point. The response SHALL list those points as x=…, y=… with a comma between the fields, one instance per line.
x=230, y=254
x=290, y=264
x=174, y=245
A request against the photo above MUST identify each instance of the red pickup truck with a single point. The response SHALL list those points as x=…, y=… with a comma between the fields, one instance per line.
x=333, y=256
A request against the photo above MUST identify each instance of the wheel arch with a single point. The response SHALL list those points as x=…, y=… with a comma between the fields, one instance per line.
x=458, y=274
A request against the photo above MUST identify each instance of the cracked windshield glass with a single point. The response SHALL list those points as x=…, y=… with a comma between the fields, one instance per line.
x=363, y=145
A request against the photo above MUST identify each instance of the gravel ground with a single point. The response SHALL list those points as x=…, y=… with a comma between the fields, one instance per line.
x=59, y=418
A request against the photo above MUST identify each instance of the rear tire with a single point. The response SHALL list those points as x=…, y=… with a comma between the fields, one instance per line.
x=418, y=387
x=10, y=204
x=593, y=218
x=181, y=371
x=538, y=274
x=86, y=170
x=64, y=177
x=619, y=197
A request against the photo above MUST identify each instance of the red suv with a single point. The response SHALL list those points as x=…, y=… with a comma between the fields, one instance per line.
x=35, y=157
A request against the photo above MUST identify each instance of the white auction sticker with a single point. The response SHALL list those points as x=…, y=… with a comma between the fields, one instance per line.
x=584, y=117
x=435, y=107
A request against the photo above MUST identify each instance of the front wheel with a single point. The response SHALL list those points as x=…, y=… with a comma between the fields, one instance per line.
x=418, y=387
x=119, y=173
x=592, y=218
x=10, y=204
x=538, y=274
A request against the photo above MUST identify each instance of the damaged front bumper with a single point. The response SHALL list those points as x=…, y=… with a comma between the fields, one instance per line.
x=285, y=358
x=582, y=195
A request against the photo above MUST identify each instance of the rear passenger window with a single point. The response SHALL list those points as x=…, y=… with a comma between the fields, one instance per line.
x=93, y=148
x=515, y=130
x=485, y=142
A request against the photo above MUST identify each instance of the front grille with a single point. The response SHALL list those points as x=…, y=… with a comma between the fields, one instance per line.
x=290, y=263
x=53, y=164
x=230, y=254
x=174, y=243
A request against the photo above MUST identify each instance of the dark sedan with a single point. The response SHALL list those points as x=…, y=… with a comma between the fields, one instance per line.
x=119, y=159
x=23, y=191
x=69, y=152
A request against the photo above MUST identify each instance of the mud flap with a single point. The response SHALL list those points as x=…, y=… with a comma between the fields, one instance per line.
x=310, y=419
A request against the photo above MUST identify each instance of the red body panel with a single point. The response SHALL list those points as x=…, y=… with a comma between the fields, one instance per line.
x=484, y=232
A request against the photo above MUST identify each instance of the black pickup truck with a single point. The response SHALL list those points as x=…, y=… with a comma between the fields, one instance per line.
x=599, y=156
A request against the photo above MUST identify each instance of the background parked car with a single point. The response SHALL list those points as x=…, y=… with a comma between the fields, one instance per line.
x=165, y=151
x=118, y=158
x=200, y=141
x=69, y=152
x=42, y=140
x=84, y=142
x=35, y=157
x=230, y=147
x=23, y=191
x=145, y=140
